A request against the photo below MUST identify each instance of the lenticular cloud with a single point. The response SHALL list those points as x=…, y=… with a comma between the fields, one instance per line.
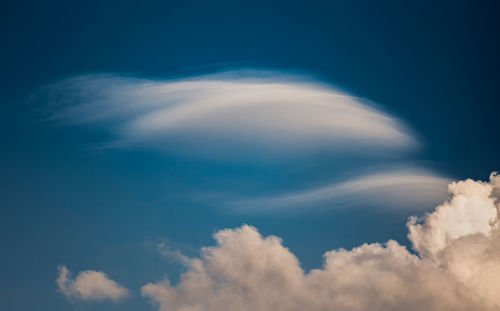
x=219, y=114
x=456, y=267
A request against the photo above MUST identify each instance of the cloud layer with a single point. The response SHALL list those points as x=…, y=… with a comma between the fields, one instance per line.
x=251, y=117
x=219, y=114
x=89, y=285
x=457, y=267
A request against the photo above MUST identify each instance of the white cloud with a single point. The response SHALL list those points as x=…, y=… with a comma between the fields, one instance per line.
x=463, y=237
x=401, y=188
x=219, y=114
x=89, y=285
x=250, y=116
x=457, y=267
x=471, y=210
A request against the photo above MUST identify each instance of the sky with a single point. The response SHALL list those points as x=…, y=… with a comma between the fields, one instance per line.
x=249, y=155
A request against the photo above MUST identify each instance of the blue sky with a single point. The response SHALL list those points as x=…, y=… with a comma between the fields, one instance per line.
x=129, y=126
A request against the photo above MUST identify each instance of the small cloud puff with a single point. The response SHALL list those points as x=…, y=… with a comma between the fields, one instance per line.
x=89, y=285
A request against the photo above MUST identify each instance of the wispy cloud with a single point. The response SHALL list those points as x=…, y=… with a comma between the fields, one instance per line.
x=224, y=113
x=247, y=116
x=401, y=188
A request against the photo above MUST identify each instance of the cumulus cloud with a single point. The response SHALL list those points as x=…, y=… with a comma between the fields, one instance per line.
x=462, y=236
x=402, y=188
x=456, y=267
x=225, y=113
x=89, y=285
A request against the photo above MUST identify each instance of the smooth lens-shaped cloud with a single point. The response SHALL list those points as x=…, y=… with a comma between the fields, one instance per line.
x=221, y=114
x=398, y=189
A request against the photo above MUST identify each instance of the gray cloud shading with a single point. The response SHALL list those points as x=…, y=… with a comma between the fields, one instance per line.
x=456, y=267
x=89, y=285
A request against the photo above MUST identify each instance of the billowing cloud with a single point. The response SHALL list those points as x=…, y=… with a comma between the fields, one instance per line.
x=226, y=113
x=463, y=236
x=402, y=188
x=89, y=285
x=456, y=267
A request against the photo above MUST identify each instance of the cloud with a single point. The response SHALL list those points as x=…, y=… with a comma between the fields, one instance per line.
x=89, y=285
x=400, y=188
x=463, y=236
x=226, y=113
x=252, y=116
x=456, y=267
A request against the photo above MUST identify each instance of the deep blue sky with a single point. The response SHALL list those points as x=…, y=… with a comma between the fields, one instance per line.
x=435, y=66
